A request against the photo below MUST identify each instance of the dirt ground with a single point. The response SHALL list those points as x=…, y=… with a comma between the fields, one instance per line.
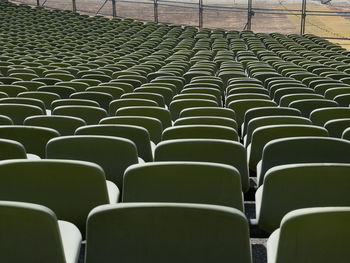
x=186, y=13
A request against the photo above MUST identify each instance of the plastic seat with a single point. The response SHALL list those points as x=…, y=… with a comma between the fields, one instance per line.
x=161, y=114
x=285, y=100
x=5, y=120
x=10, y=149
x=24, y=101
x=321, y=116
x=122, y=103
x=240, y=107
x=302, y=150
x=18, y=112
x=56, y=183
x=263, y=135
x=65, y=125
x=206, y=120
x=163, y=226
x=91, y=115
x=183, y=182
x=103, y=99
x=325, y=231
x=199, y=132
x=246, y=96
x=113, y=154
x=46, y=97
x=346, y=134
x=73, y=102
x=206, y=150
x=343, y=100
x=268, y=112
x=63, y=91
x=138, y=135
x=159, y=99
x=33, y=138
x=78, y=86
x=177, y=106
x=308, y=105
x=28, y=227
x=208, y=111
x=152, y=125
x=115, y=92
x=12, y=90
x=273, y=120
x=336, y=127
x=277, y=196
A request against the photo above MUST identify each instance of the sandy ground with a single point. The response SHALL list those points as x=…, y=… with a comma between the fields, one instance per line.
x=186, y=12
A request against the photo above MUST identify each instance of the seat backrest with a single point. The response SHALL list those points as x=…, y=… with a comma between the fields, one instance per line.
x=138, y=135
x=46, y=97
x=208, y=111
x=10, y=149
x=33, y=138
x=308, y=105
x=325, y=231
x=65, y=125
x=346, y=134
x=200, y=132
x=113, y=154
x=29, y=233
x=54, y=184
x=294, y=186
x=268, y=112
x=5, y=120
x=73, y=102
x=287, y=99
x=303, y=150
x=192, y=229
x=161, y=114
x=263, y=135
x=242, y=106
x=336, y=127
x=272, y=120
x=122, y=103
x=321, y=116
x=206, y=150
x=25, y=101
x=177, y=106
x=101, y=98
x=91, y=115
x=183, y=182
x=18, y=112
x=152, y=125
x=207, y=120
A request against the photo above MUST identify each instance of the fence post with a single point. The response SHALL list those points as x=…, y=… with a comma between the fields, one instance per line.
x=303, y=18
x=200, y=13
x=249, y=15
x=114, y=8
x=74, y=6
x=155, y=7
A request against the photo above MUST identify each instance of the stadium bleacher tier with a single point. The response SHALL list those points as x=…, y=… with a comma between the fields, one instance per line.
x=169, y=143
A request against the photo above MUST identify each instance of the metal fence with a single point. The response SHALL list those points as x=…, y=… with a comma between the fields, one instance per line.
x=326, y=18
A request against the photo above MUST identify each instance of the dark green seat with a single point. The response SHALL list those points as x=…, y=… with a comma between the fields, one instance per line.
x=294, y=186
x=30, y=227
x=206, y=150
x=183, y=182
x=138, y=135
x=164, y=226
x=113, y=154
x=65, y=125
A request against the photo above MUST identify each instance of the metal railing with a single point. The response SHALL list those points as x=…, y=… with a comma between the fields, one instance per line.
x=197, y=10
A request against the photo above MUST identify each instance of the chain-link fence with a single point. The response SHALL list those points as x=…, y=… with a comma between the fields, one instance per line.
x=326, y=18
